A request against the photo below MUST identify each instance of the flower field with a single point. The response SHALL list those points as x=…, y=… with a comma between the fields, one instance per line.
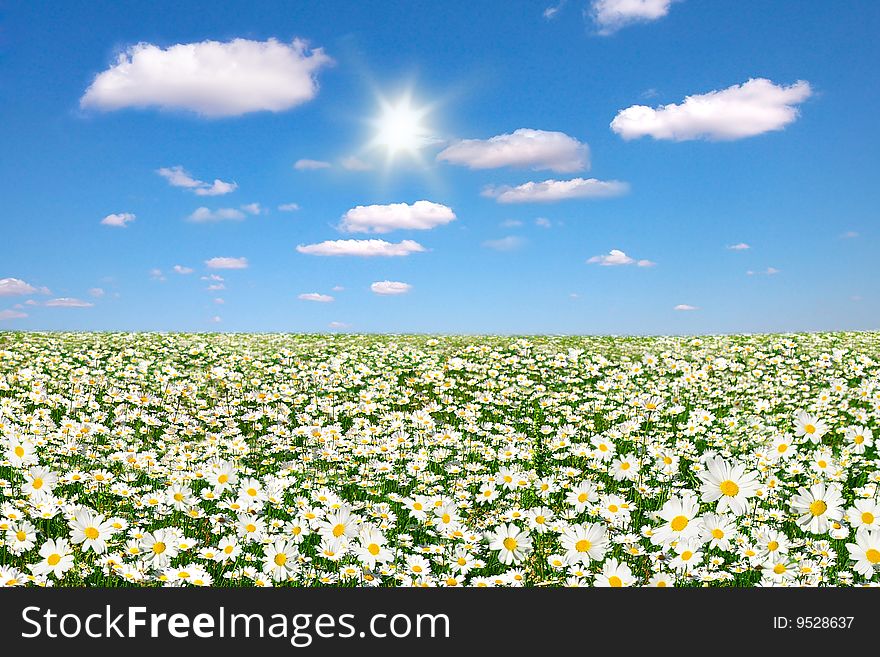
x=345, y=460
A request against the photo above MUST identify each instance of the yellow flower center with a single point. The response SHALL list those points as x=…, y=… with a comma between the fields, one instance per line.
x=510, y=543
x=873, y=555
x=783, y=447
x=661, y=584
x=20, y=535
x=779, y=568
x=280, y=559
x=729, y=488
x=773, y=546
x=822, y=463
x=373, y=549
x=178, y=497
x=228, y=549
x=858, y=440
x=252, y=492
x=867, y=517
x=809, y=428
x=339, y=530
x=222, y=479
x=91, y=533
x=583, y=545
x=446, y=518
x=540, y=520
x=53, y=559
x=250, y=528
x=615, y=581
x=818, y=507
x=583, y=497
x=679, y=523
x=158, y=547
x=418, y=506
x=717, y=533
x=38, y=483
x=19, y=451
x=624, y=466
x=686, y=555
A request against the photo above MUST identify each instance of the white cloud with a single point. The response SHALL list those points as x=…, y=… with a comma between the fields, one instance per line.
x=180, y=269
x=685, y=307
x=12, y=314
x=156, y=275
x=12, y=287
x=68, y=302
x=387, y=288
x=741, y=246
x=509, y=243
x=315, y=296
x=288, y=207
x=354, y=163
x=252, y=208
x=338, y=325
x=556, y=190
x=337, y=288
x=120, y=220
x=611, y=15
x=211, y=277
x=227, y=263
x=511, y=223
x=219, y=301
x=550, y=12
x=310, y=165
x=617, y=258
x=210, y=78
x=363, y=248
x=849, y=235
x=215, y=287
x=203, y=215
x=524, y=148
x=740, y=111
x=543, y=222
x=770, y=271
x=97, y=292
x=178, y=177
x=421, y=215
x=216, y=319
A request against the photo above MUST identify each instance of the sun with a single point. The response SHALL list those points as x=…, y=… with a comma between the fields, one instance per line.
x=400, y=128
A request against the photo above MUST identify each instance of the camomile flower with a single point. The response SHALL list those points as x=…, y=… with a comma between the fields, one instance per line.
x=772, y=542
x=818, y=506
x=91, y=530
x=540, y=517
x=340, y=524
x=687, y=555
x=228, y=549
x=865, y=552
x=864, y=514
x=779, y=568
x=512, y=543
x=584, y=543
x=718, y=530
x=57, y=559
x=279, y=559
x=371, y=547
x=250, y=527
x=661, y=580
x=625, y=468
x=681, y=520
x=781, y=447
x=21, y=536
x=40, y=481
x=159, y=547
x=614, y=574
x=581, y=496
x=728, y=483
x=809, y=426
x=10, y=577
x=858, y=438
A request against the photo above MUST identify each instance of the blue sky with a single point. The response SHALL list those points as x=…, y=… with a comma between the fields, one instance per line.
x=785, y=164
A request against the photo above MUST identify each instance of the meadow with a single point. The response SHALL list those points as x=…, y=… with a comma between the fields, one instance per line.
x=133, y=459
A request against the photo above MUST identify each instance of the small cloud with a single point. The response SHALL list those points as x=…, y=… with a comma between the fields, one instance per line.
x=252, y=208
x=215, y=287
x=387, y=288
x=770, y=271
x=550, y=12
x=288, y=207
x=337, y=288
x=180, y=269
x=353, y=163
x=511, y=223
x=685, y=307
x=509, y=243
x=856, y=298
x=216, y=319
x=612, y=15
x=227, y=263
x=211, y=277
x=12, y=314
x=362, y=248
x=311, y=165
x=742, y=246
x=204, y=215
x=524, y=149
x=338, y=325
x=574, y=295
x=118, y=220
x=617, y=258
x=177, y=176
x=12, y=287
x=849, y=235
x=550, y=191
x=157, y=275
x=219, y=301
x=97, y=292
x=68, y=302
x=315, y=296
x=543, y=222
x=421, y=215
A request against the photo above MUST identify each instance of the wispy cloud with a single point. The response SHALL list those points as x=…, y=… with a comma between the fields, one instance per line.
x=362, y=248
x=354, y=163
x=205, y=215
x=685, y=307
x=288, y=207
x=315, y=296
x=770, y=271
x=550, y=191
x=177, y=176
x=180, y=269
x=617, y=258
x=118, y=220
x=68, y=302
x=227, y=263
x=508, y=243
x=12, y=314
x=389, y=288
x=741, y=246
x=311, y=165
x=524, y=148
